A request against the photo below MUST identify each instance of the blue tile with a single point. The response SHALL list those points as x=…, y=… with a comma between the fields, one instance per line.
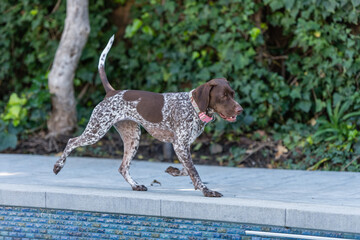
x=183, y=237
x=114, y=237
x=21, y=234
x=17, y=222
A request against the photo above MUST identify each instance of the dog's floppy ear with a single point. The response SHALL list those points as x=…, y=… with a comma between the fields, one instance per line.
x=201, y=95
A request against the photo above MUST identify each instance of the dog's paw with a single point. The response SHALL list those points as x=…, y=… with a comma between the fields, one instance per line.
x=139, y=188
x=57, y=168
x=208, y=193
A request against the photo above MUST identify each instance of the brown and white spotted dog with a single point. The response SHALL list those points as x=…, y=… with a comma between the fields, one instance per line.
x=178, y=118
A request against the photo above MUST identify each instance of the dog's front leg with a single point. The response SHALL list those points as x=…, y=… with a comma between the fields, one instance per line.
x=183, y=153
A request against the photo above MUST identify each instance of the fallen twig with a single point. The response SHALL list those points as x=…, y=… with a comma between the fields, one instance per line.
x=276, y=57
x=83, y=91
x=56, y=6
x=347, y=165
x=261, y=146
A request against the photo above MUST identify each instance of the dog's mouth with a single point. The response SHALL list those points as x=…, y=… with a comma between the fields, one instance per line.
x=229, y=119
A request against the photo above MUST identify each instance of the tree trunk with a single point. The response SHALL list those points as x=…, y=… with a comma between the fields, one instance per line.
x=73, y=39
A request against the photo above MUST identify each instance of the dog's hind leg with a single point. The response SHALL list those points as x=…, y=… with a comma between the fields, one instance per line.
x=94, y=131
x=130, y=134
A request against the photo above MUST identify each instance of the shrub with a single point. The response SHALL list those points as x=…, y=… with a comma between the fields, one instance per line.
x=284, y=65
x=289, y=61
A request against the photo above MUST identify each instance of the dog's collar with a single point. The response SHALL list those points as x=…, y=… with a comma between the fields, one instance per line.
x=202, y=115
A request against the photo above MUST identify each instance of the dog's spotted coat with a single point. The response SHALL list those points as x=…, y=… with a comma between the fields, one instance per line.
x=178, y=123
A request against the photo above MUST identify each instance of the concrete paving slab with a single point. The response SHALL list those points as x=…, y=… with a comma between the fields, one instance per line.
x=19, y=196
x=261, y=196
x=344, y=219
x=244, y=211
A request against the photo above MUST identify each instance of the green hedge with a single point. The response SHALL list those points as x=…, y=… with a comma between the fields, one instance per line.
x=174, y=44
x=291, y=62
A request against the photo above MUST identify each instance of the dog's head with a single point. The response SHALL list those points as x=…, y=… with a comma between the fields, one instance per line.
x=218, y=96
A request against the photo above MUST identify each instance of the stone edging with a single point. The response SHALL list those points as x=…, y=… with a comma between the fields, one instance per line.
x=319, y=217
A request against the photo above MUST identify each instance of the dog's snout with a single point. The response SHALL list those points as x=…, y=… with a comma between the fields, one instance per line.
x=238, y=109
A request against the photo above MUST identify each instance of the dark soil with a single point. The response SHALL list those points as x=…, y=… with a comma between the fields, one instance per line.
x=246, y=152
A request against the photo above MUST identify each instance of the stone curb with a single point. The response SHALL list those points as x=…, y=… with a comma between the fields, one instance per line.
x=296, y=215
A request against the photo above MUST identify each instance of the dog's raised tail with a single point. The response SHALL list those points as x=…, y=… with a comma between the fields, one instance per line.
x=101, y=67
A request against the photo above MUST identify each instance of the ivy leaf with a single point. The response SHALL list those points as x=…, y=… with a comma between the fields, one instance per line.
x=195, y=55
x=357, y=148
x=204, y=74
x=148, y=30
x=353, y=16
x=133, y=28
x=304, y=106
x=248, y=120
x=289, y=4
x=34, y=12
x=204, y=38
x=13, y=112
x=254, y=33
x=240, y=61
x=275, y=5
x=15, y=100
x=355, y=3
x=7, y=141
x=330, y=5
x=295, y=93
x=319, y=105
x=169, y=5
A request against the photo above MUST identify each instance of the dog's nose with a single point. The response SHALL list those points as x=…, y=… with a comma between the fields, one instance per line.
x=239, y=109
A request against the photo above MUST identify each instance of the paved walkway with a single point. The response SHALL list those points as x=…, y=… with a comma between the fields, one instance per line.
x=325, y=192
